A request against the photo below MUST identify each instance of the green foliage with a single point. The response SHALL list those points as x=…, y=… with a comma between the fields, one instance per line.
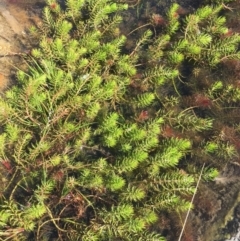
x=133, y=194
x=210, y=174
x=96, y=140
x=145, y=100
x=173, y=25
x=206, y=35
x=11, y=215
x=171, y=153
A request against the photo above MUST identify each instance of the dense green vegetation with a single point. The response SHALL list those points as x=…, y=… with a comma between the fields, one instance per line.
x=98, y=140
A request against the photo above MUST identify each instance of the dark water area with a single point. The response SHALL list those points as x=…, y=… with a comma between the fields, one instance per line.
x=232, y=229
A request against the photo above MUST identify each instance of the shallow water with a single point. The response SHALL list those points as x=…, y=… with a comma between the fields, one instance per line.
x=16, y=16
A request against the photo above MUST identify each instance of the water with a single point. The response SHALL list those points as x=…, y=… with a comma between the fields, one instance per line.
x=16, y=16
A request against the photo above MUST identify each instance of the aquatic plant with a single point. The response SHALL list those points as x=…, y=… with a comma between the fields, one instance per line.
x=94, y=143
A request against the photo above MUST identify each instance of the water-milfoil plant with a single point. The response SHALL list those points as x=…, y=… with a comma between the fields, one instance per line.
x=84, y=150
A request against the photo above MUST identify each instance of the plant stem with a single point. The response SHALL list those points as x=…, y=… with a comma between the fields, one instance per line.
x=188, y=212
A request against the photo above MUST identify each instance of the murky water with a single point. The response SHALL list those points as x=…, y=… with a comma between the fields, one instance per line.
x=233, y=226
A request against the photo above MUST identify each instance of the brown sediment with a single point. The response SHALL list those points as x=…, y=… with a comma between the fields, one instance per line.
x=15, y=19
x=3, y=82
x=25, y=2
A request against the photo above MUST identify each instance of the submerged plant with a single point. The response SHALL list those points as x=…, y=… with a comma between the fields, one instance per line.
x=93, y=142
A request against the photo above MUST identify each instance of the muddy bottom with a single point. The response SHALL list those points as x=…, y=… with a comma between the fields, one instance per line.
x=16, y=16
